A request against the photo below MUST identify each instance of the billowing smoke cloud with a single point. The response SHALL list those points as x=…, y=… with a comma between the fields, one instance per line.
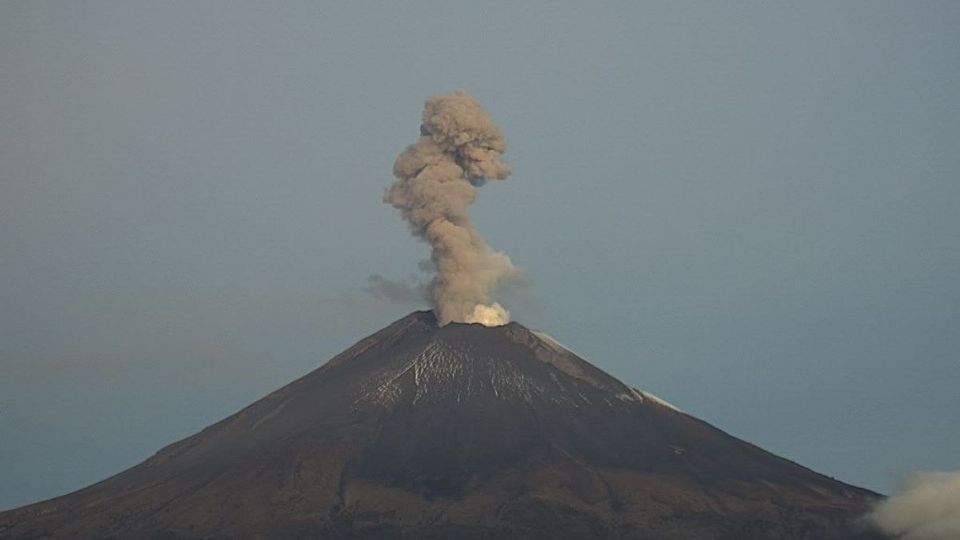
x=458, y=150
x=928, y=508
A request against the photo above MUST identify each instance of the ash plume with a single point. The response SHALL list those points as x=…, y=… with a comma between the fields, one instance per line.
x=400, y=292
x=928, y=508
x=458, y=150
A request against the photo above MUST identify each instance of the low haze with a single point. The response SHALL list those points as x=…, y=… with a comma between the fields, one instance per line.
x=748, y=209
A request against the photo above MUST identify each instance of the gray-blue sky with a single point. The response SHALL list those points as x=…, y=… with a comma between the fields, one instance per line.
x=750, y=209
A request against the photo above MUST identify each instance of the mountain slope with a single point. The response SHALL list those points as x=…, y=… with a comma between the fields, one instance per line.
x=462, y=431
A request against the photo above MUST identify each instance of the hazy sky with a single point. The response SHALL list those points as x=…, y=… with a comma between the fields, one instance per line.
x=751, y=209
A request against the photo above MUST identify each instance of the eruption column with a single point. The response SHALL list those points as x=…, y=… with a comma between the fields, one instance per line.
x=459, y=150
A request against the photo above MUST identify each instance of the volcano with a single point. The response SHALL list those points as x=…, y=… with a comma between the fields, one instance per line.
x=459, y=431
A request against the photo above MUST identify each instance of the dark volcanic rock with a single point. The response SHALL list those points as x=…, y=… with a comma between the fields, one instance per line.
x=456, y=432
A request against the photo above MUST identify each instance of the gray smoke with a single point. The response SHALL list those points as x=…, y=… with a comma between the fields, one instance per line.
x=410, y=291
x=928, y=508
x=458, y=150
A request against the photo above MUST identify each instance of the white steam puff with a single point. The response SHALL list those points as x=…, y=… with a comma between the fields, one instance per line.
x=928, y=508
x=459, y=149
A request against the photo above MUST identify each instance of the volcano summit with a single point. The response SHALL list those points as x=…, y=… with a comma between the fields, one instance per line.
x=459, y=431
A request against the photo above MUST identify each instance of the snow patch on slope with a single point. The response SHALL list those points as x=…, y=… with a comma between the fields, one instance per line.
x=553, y=343
x=635, y=394
x=659, y=401
x=440, y=371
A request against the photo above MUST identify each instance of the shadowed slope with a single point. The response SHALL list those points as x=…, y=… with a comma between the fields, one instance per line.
x=462, y=431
